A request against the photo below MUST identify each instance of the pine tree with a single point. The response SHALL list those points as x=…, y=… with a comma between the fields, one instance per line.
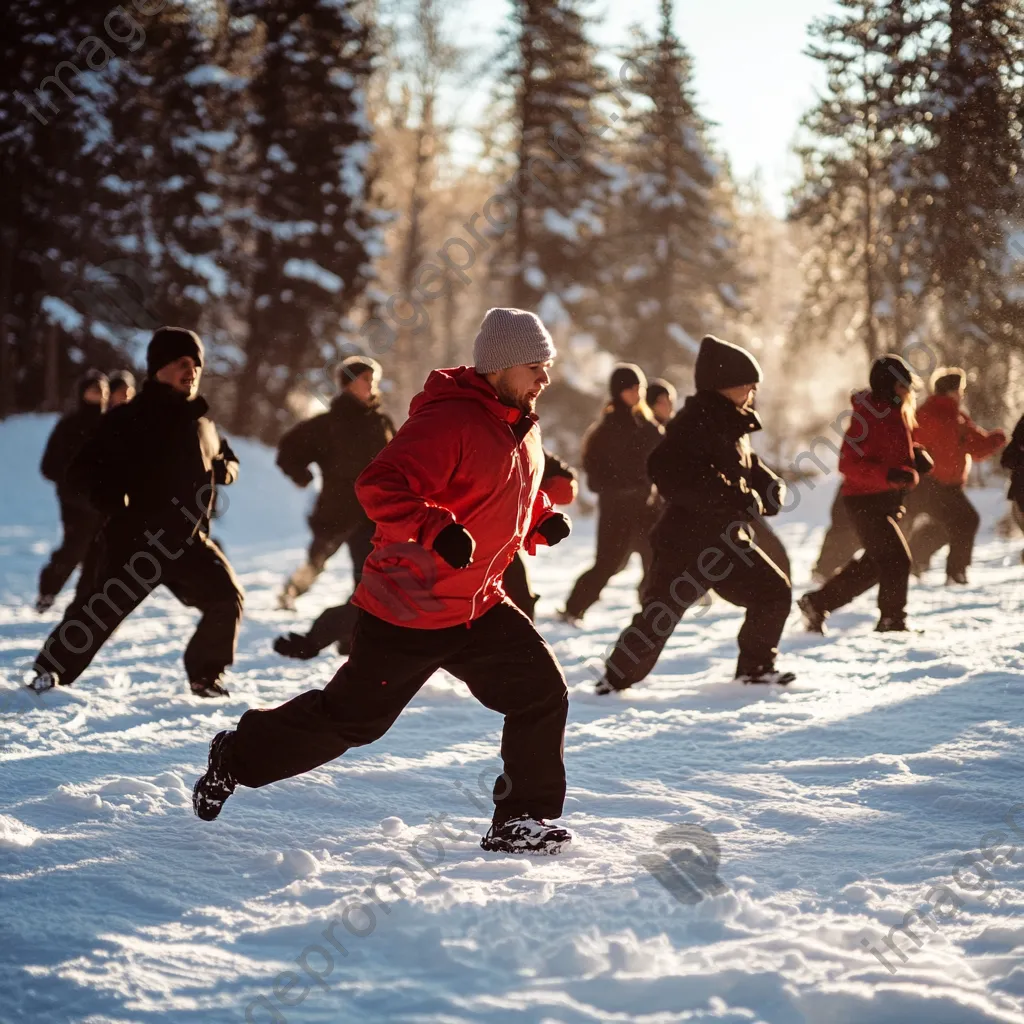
x=549, y=256
x=674, y=250
x=965, y=186
x=63, y=65
x=846, y=197
x=310, y=225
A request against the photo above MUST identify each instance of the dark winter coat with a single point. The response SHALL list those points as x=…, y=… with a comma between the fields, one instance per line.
x=461, y=457
x=615, y=451
x=154, y=464
x=1013, y=460
x=342, y=442
x=708, y=473
x=70, y=433
x=877, y=441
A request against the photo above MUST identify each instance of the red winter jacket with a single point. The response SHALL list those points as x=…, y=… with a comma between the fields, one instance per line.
x=876, y=441
x=461, y=457
x=952, y=439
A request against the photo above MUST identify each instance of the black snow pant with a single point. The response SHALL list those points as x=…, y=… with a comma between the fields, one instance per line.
x=841, y=542
x=335, y=624
x=885, y=559
x=324, y=545
x=624, y=522
x=197, y=574
x=516, y=583
x=80, y=527
x=736, y=570
x=952, y=520
x=771, y=544
x=500, y=656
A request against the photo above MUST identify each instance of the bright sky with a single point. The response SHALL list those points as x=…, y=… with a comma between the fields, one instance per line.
x=751, y=75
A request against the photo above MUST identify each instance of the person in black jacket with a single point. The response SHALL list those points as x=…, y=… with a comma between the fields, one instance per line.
x=1012, y=459
x=151, y=469
x=615, y=451
x=78, y=520
x=342, y=442
x=714, y=486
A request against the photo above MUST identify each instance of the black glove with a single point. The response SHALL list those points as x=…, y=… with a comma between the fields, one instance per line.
x=555, y=528
x=901, y=476
x=923, y=462
x=455, y=545
x=295, y=645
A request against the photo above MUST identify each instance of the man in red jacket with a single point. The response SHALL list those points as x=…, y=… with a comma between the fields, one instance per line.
x=455, y=495
x=953, y=441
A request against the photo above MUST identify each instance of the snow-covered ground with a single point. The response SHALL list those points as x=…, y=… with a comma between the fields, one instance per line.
x=838, y=806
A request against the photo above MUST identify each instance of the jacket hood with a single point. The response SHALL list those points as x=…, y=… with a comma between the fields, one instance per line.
x=463, y=384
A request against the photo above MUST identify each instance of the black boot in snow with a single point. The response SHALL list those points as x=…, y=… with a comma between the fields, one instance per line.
x=207, y=688
x=43, y=681
x=525, y=835
x=44, y=602
x=604, y=685
x=892, y=624
x=814, y=620
x=213, y=788
x=765, y=677
x=296, y=645
x=958, y=579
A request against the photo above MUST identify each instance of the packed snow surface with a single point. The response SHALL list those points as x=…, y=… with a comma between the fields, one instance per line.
x=840, y=808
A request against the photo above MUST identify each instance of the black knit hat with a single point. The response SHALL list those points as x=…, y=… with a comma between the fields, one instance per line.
x=721, y=365
x=624, y=377
x=170, y=343
x=89, y=378
x=352, y=367
x=886, y=373
x=122, y=379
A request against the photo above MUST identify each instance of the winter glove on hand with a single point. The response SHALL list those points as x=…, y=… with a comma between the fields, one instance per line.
x=556, y=528
x=923, y=462
x=455, y=545
x=999, y=435
x=303, y=479
x=900, y=476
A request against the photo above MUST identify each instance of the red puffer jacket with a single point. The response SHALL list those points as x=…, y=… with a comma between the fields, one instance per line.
x=876, y=441
x=461, y=457
x=952, y=439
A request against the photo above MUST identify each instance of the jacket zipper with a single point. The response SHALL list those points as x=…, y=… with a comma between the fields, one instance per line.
x=519, y=512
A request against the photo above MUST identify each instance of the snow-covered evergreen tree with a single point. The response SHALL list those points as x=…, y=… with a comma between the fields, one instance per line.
x=548, y=253
x=848, y=196
x=673, y=266
x=966, y=81
x=312, y=231
x=63, y=64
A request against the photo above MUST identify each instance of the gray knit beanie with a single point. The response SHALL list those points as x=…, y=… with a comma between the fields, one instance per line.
x=509, y=337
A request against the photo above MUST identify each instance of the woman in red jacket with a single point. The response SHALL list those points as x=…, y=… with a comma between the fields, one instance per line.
x=952, y=441
x=879, y=464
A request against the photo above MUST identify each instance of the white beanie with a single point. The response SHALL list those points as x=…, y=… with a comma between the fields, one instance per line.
x=509, y=337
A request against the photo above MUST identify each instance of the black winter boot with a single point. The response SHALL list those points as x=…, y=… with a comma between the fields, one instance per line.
x=217, y=784
x=207, y=688
x=892, y=624
x=814, y=620
x=524, y=834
